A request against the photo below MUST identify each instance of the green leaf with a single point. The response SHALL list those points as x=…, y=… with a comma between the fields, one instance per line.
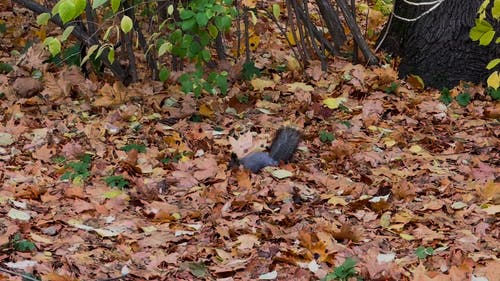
x=98, y=3
x=54, y=45
x=111, y=55
x=67, y=32
x=487, y=37
x=422, y=252
x=188, y=24
x=79, y=6
x=164, y=74
x=126, y=24
x=43, y=18
x=186, y=14
x=223, y=23
x=115, y=4
x=67, y=11
x=201, y=19
x=276, y=11
x=445, y=96
x=139, y=147
x=463, y=99
x=24, y=246
x=343, y=271
x=495, y=11
x=5, y=67
x=492, y=64
x=116, y=181
x=481, y=27
x=326, y=137
x=494, y=93
x=249, y=70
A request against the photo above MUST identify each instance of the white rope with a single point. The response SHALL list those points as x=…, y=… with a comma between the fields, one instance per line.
x=435, y=3
x=422, y=3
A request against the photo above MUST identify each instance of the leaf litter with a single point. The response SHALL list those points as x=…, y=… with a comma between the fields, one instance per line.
x=407, y=187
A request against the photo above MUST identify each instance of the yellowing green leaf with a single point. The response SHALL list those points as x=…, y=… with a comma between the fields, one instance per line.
x=126, y=24
x=43, y=18
x=112, y=193
x=164, y=48
x=492, y=64
x=67, y=32
x=487, y=38
x=276, y=11
x=407, y=237
x=90, y=52
x=494, y=80
x=334, y=103
x=54, y=45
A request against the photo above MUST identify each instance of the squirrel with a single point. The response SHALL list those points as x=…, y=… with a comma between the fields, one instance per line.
x=284, y=144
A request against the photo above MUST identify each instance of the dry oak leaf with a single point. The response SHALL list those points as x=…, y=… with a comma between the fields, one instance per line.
x=35, y=57
x=247, y=241
x=44, y=153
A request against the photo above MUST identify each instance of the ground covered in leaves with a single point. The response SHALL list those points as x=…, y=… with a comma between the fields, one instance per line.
x=99, y=181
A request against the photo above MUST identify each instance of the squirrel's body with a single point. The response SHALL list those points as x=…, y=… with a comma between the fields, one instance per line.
x=282, y=149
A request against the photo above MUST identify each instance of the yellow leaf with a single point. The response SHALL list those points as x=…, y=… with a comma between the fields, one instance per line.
x=407, y=236
x=494, y=80
x=333, y=103
x=492, y=210
x=249, y=3
x=389, y=142
x=416, y=81
x=260, y=84
x=253, y=41
x=415, y=149
x=206, y=111
x=292, y=63
x=291, y=38
x=335, y=200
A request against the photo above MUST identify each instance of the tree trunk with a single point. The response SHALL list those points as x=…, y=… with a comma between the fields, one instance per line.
x=437, y=46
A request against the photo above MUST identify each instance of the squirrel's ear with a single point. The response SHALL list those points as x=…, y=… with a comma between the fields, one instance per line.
x=234, y=162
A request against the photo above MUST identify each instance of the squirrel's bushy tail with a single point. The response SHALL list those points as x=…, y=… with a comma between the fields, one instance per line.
x=284, y=144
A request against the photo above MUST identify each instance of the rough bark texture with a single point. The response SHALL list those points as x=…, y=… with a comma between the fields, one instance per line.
x=437, y=47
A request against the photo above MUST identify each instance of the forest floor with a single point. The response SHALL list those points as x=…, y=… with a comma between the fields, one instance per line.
x=98, y=180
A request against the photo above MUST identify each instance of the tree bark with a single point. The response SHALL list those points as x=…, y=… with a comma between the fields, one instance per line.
x=437, y=46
